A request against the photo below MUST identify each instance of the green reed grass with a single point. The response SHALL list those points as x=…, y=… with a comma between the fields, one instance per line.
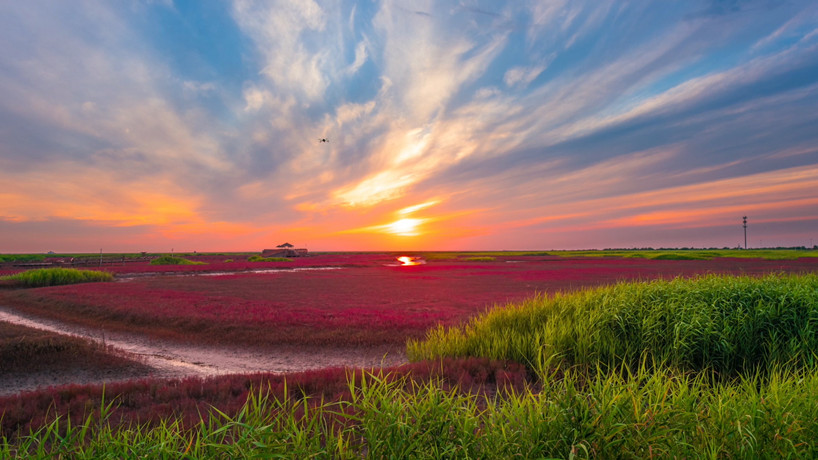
x=492, y=254
x=267, y=259
x=693, y=254
x=658, y=254
x=58, y=276
x=723, y=323
x=4, y=258
x=173, y=260
x=630, y=413
x=674, y=256
x=479, y=259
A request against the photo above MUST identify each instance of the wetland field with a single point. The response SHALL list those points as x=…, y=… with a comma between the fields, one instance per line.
x=601, y=354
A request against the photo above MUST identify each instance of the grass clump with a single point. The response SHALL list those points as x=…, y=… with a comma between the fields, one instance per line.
x=267, y=259
x=173, y=260
x=57, y=276
x=479, y=259
x=725, y=324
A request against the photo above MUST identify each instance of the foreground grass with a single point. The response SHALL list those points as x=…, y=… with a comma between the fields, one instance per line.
x=725, y=324
x=625, y=414
x=57, y=276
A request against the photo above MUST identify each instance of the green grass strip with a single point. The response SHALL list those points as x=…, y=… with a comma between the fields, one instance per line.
x=4, y=258
x=658, y=254
x=694, y=254
x=58, y=276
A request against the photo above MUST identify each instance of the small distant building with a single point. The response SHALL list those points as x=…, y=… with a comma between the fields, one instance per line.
x=284, y=250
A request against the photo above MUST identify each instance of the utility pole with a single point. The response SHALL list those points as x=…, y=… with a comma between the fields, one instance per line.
x=745, y=231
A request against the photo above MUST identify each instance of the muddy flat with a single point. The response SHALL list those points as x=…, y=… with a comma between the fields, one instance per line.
x=165, y=359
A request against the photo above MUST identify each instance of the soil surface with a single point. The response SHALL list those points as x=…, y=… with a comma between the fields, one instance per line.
x=164, y=359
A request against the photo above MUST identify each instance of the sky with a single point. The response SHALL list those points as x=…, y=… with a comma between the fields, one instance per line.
x=455, y=125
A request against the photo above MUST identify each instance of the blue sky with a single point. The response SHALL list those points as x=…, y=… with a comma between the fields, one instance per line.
x=150, y=125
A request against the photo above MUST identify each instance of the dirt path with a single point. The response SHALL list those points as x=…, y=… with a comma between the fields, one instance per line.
x=170, y=359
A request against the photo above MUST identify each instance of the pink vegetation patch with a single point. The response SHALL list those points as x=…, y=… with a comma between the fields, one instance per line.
x=192, y=400
x=240, y=264
x=368, y=301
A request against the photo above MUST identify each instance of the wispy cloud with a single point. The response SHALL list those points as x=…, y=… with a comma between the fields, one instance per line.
x=290, y=63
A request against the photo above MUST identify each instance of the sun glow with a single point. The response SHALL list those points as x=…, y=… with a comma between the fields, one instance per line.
x=405, y=227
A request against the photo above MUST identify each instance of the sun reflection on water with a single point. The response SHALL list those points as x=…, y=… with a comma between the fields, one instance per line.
x=407, y=260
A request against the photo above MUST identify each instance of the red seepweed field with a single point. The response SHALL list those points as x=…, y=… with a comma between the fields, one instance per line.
x=325, y=302
x=337, y=300
x=152, y=401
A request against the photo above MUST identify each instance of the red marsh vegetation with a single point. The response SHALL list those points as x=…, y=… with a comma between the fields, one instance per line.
x=368, y=301
x=152, y=401
x=31, y=357
x=211, y=263
x=219, y=263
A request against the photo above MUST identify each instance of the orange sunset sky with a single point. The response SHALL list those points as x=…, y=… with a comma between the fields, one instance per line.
x=454, y=125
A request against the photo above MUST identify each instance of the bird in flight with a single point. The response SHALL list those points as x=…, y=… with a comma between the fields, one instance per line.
x=323, y=140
